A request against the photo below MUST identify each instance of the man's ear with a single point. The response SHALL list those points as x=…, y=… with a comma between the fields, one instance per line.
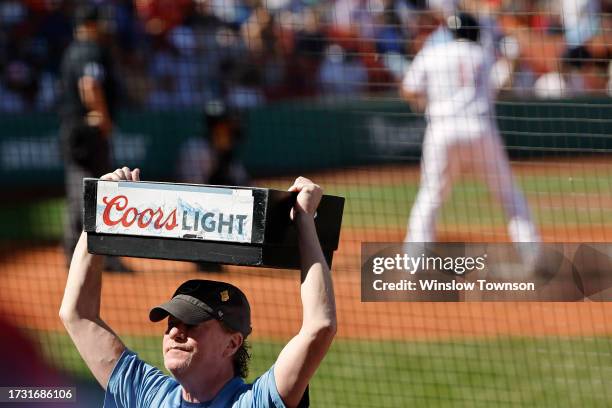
x=234, y=342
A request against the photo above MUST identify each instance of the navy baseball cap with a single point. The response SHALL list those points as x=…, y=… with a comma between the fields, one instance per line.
x=197, y=301
x=464, y=26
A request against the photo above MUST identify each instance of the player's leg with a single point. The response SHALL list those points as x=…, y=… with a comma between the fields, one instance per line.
x=495, y=168
x=439, y=168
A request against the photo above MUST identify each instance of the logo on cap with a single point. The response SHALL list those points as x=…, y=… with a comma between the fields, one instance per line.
x=224, y=296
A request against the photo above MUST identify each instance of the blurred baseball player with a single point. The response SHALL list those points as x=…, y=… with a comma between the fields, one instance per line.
x=207, y=324
x=453, y=81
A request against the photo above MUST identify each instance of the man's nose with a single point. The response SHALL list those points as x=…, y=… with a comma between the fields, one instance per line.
x=176, y=333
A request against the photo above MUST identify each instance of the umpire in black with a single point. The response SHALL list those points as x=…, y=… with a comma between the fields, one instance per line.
x=88, y=104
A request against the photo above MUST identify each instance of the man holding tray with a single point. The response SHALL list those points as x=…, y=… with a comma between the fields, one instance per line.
x=207, y=324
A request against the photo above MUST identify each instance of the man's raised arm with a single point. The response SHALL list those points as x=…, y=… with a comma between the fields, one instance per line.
x=80, y=311
x=300, y=358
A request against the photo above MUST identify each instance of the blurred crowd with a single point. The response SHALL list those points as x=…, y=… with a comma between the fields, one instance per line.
x=172, y=54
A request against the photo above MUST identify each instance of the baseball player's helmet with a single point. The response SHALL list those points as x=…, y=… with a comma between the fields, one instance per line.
x=464, y=26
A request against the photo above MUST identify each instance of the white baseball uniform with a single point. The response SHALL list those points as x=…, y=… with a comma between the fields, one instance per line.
x=455, y=77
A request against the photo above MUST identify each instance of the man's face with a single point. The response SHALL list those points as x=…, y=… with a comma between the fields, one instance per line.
x=191, y=348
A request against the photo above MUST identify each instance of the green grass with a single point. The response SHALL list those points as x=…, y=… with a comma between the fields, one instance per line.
x=388, y=205
x=470, y=203
x=592, y=184
x=38, y=220
x=505, y=372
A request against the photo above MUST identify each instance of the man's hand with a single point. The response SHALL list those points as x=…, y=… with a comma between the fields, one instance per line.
x=100, y=120
x=416, y=100
x=123, y=173
x=309, y=196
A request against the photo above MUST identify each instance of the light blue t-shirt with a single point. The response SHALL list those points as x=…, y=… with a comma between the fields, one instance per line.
x=134, y=383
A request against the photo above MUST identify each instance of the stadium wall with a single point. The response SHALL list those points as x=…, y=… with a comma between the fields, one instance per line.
x=288, y=137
